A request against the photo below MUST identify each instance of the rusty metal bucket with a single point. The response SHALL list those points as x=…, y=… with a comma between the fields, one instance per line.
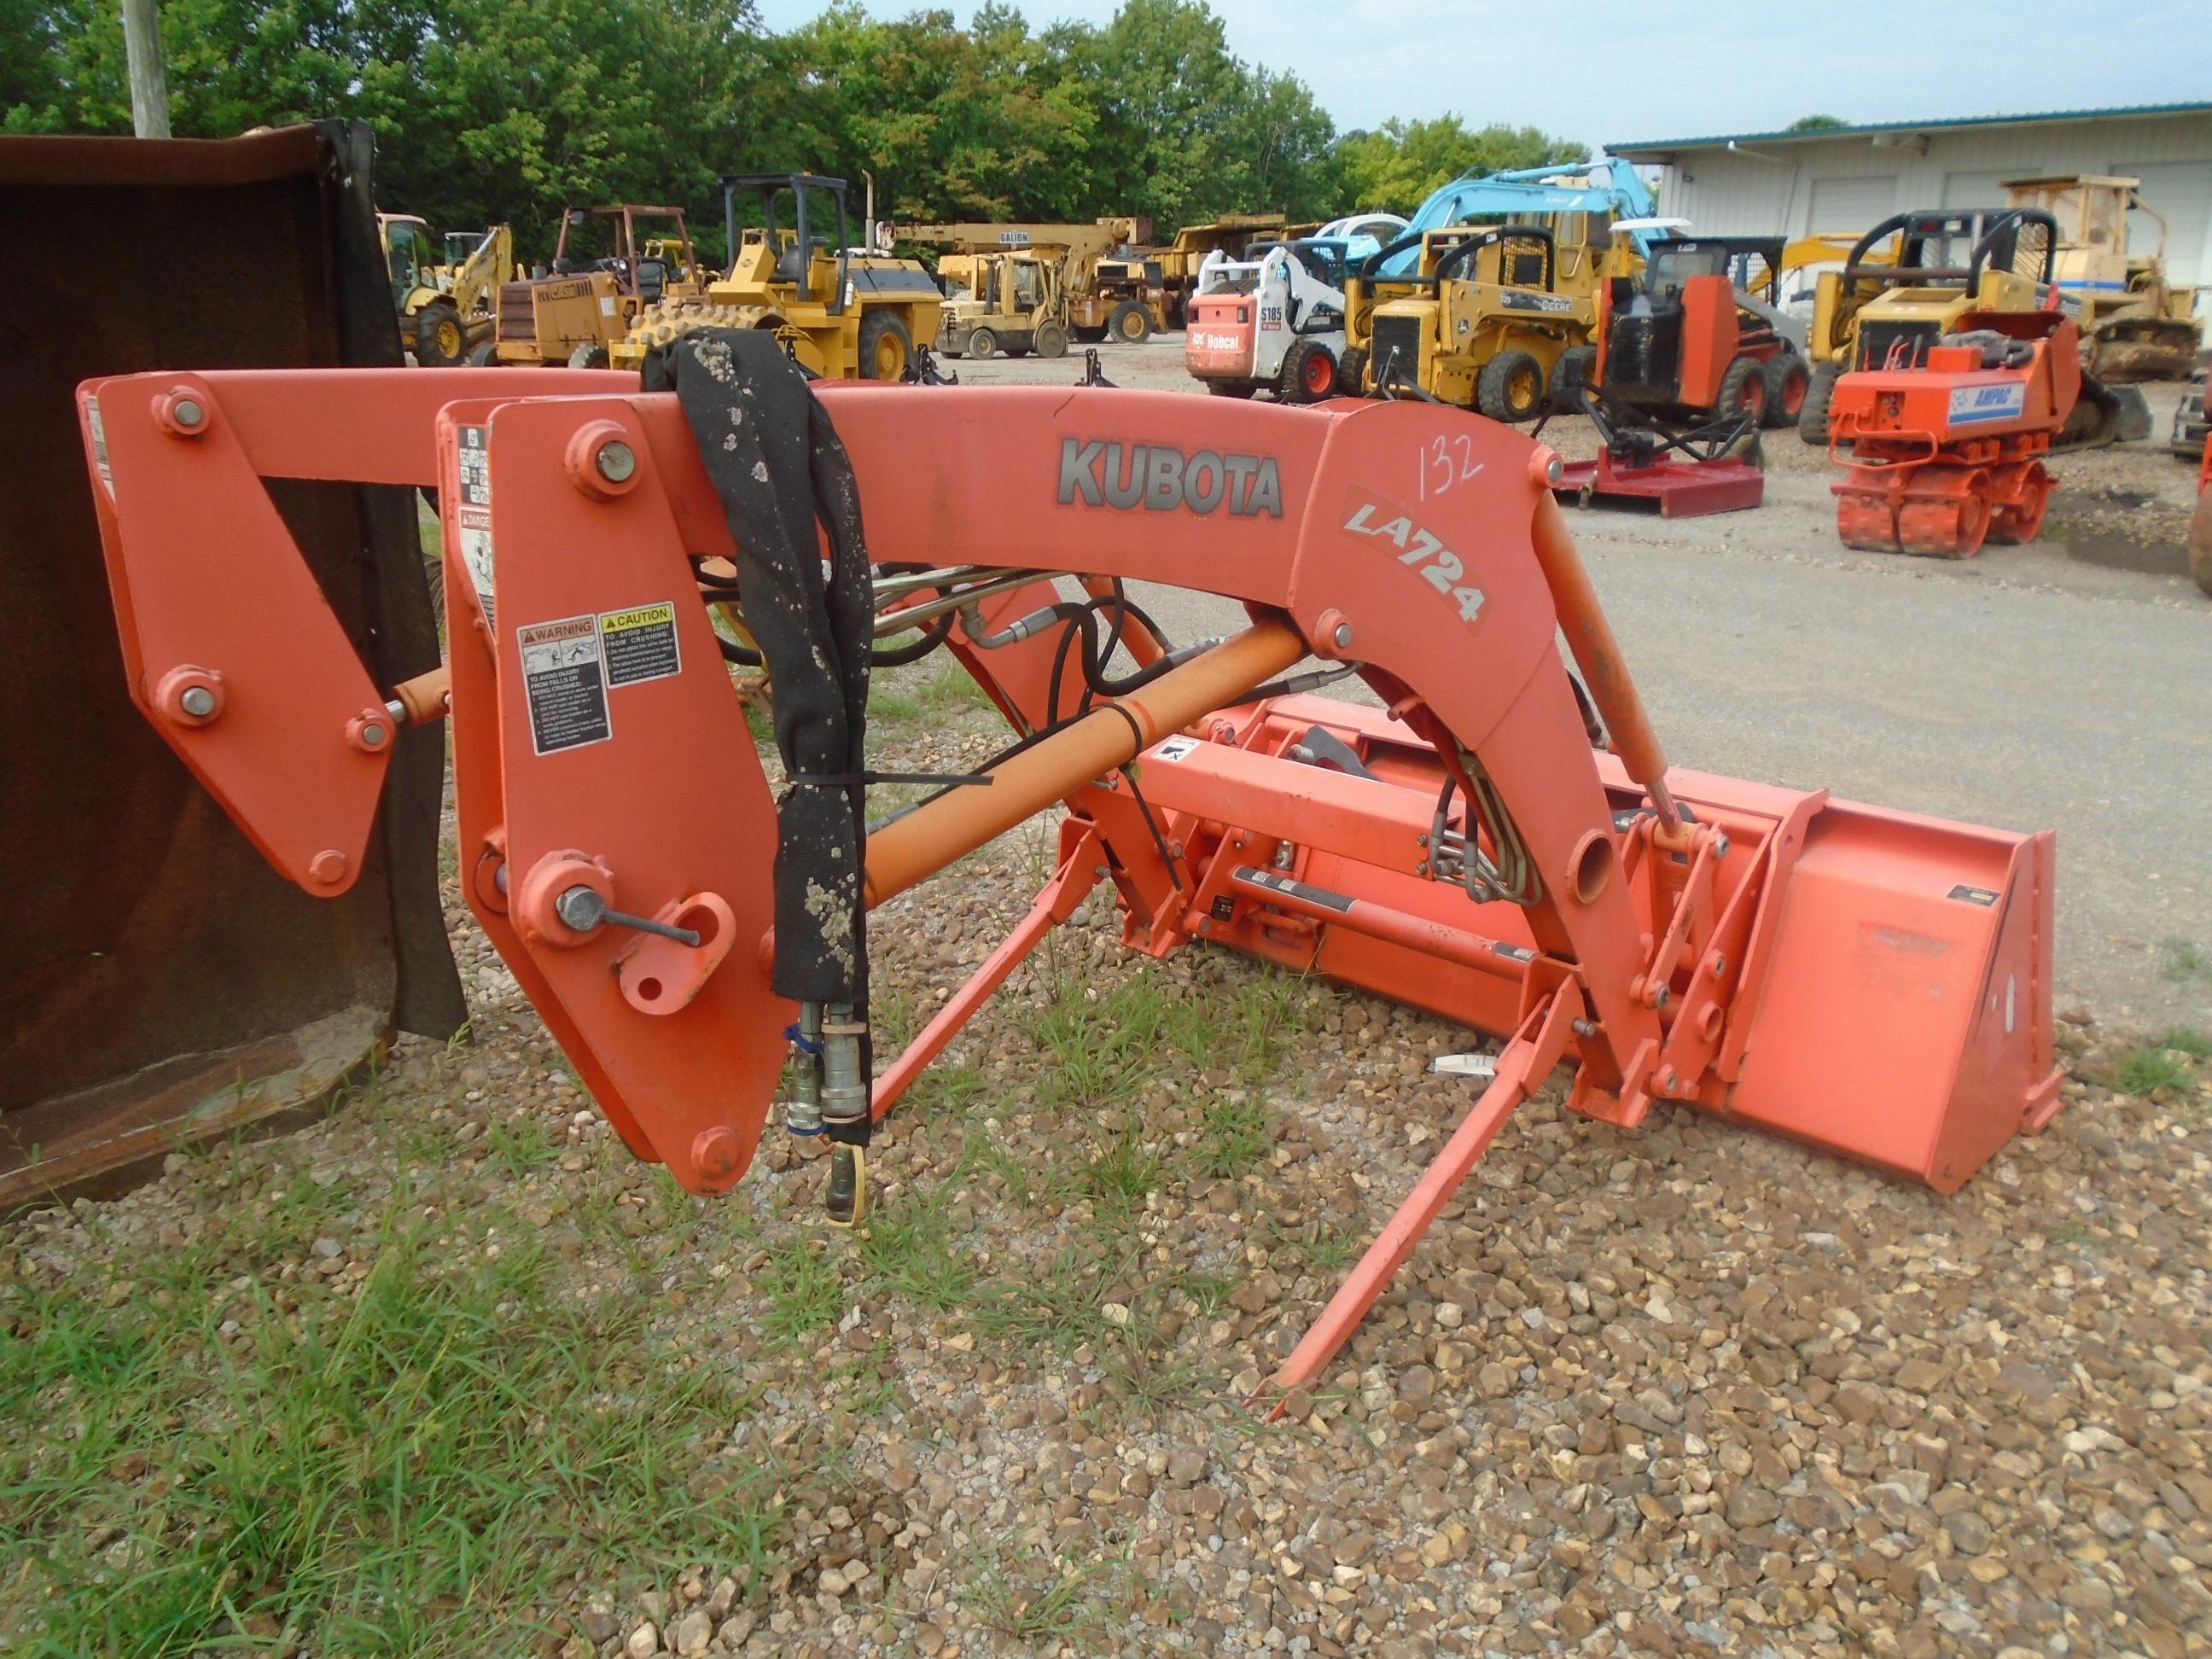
x=163, y=985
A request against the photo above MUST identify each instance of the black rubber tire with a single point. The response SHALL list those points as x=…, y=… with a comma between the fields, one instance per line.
x=1051, y=340
x=1787, y=381
x=440, y=342
x=1295, y=384
x=588, y=356
x=1813, y=420
x=1130, y=324
x=1089, y=334
x=484, y=354
x=1351, y=373
x=1743, y=389
x=874, y=328
x=982, y=346
x=1569, y=375
x=1511, y=388
x=1239, y=389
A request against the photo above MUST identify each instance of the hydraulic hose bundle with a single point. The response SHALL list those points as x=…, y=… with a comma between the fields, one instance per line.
x=780, y=470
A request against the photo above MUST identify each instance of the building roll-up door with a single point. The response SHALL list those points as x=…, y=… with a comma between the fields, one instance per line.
x=1852, y=204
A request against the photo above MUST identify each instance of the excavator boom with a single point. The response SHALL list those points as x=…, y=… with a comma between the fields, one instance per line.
x=1871, y=982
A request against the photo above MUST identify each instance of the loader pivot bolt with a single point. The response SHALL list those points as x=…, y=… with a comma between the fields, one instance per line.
x=601, y=461
x=1340, y=637
x=190, y=695
x=616, y=462
x=370, y=731
x=182, y=413
x=717, y=1154
x=329, y=867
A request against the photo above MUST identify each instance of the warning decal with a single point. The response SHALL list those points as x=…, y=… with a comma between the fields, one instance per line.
x=1984, y=895
x=473, y=514
x=640, y=644
x=562, y=681
x=99, y=447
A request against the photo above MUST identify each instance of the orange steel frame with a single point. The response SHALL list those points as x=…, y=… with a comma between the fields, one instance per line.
x=1690, y=955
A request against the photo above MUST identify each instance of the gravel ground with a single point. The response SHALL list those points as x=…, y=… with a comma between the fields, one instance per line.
x=1685, y=1391
x=1689, y=1390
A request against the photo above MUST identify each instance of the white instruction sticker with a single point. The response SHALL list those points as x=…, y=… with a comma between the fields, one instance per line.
x=1174, y=749
x=565, y=683
x=472, y=513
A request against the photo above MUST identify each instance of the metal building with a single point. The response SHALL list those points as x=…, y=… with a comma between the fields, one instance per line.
x=1845, y=179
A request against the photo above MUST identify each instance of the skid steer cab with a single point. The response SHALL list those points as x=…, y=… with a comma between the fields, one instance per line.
x=1690, y=359
x=1479, y=324
x=1273, y=321
x=1871, y=982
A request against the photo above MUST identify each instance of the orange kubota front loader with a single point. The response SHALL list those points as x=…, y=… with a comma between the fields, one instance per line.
x=1871, y=982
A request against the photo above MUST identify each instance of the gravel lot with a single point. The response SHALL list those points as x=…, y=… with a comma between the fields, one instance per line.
x=1685, y=1391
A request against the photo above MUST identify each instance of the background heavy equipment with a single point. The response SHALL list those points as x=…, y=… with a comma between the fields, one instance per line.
x=1908, y=281
x=607, y=271
x=1096, y=297
x=843, y=312
x=2200, y=527
x=444, y=304
x=1174, y=265
x=1577, y=205
x=1480, y=323
x=1686, y=368
x=1013, y=301
x=2191, y=428
x=2135, y=325
x=163, y=986
x=1272, y=321
x=1872, y=982
x=1942, y=449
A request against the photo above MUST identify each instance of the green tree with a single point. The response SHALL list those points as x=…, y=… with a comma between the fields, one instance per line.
x=1817, y=123
x=1395, y=167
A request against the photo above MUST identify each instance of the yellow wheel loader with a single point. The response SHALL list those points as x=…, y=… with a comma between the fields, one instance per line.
x=605, y=272
x=844, y=312
x=1906, y=283
x=444, y=301
x=1012, y=302
x=1481, y=322
x=2135, y=325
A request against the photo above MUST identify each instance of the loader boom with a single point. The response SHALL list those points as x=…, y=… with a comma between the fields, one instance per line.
x=1669, y=935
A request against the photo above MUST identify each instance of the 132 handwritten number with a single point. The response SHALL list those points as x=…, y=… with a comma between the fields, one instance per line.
x=1445, y=460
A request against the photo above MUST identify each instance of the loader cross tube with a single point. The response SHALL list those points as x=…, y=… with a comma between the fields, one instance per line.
x=1701, y=952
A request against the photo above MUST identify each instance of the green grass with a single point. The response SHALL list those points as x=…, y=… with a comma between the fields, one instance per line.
x=2169, y=1061
x=803, y=1290
x=444, y=1450
x=910, y=1248
x=2184, y=962
x=1067, y=1606
x=521, y=1142
x=929, y=695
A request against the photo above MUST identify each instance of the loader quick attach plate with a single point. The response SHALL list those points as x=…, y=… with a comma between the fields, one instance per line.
x=1871, y=982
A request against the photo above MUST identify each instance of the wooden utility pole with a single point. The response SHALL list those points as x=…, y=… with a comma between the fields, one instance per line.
x=149, y=81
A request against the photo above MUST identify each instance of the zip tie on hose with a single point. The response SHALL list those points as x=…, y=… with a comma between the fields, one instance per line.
x=792, y=1034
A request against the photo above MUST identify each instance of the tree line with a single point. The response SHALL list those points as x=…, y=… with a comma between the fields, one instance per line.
x=490, y=111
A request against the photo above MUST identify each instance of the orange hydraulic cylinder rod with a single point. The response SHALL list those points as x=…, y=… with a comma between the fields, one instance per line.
x=1589, y=636
x=1358, y=916
x=925, y=841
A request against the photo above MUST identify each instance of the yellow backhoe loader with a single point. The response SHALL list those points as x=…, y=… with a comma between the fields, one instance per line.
x=1108, y=291
x=444, y=301
x=1013, y=302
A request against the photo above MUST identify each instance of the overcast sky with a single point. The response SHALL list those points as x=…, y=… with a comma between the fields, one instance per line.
x=1600, y=70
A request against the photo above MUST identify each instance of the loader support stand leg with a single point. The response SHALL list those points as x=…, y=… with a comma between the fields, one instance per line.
x=1070, y=886
x=1526, y=1061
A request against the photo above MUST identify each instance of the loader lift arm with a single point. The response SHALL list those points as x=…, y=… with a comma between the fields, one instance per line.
x=1478, y=858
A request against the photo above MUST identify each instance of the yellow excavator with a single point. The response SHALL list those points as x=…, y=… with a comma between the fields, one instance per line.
x=843, y=312
x=444, y=301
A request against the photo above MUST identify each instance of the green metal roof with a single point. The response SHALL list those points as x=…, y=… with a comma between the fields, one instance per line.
x=2117, y=112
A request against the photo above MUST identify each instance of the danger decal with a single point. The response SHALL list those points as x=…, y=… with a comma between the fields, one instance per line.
x=472, y=512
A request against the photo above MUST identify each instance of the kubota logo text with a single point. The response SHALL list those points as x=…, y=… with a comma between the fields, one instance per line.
x=1159, y=479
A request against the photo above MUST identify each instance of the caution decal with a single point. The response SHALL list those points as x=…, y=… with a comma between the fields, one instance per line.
x=640, y=644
